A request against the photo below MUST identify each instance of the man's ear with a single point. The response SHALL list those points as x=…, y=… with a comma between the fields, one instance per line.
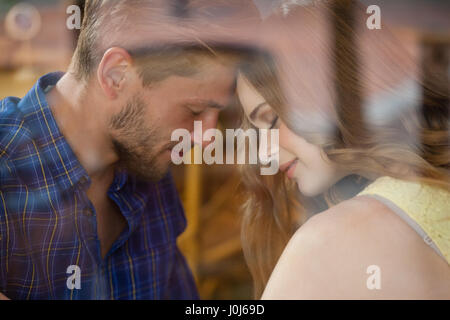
x=112, y=71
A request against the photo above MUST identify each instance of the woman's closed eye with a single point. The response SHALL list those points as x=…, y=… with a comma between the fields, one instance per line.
x=274, y=122
x=268, y=119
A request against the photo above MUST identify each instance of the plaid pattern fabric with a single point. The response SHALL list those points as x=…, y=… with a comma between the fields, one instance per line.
x=48, y=225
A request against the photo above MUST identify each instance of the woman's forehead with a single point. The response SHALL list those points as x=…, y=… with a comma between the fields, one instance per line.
x=249, y=97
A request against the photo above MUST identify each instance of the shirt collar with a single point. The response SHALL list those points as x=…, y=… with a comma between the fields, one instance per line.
x=56, y=154
x=54, y=149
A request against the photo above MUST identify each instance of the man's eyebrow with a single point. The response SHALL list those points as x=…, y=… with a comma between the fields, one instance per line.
x=206, y=103
x=255, y=111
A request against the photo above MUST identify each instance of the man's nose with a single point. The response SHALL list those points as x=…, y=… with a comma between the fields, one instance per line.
x=209, y=121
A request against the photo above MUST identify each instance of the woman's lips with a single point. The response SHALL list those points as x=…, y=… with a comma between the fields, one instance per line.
x=289, y=168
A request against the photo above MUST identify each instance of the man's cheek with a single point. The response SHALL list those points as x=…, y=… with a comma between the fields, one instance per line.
x=186, y=123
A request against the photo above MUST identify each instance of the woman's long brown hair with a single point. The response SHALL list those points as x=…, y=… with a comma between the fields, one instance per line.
x=412, y=146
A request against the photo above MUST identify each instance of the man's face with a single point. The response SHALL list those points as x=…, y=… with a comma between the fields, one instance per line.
x=141, y=131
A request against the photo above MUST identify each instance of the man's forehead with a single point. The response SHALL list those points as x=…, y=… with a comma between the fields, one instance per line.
x=217, y=70
x=214, y=92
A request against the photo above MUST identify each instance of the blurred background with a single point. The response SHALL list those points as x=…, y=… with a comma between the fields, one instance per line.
x=35, y=39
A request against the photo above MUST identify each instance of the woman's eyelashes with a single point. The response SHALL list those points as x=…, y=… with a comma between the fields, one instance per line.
x=268, y=119
x=274, y=122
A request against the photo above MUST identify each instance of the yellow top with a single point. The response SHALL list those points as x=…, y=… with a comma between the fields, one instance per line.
x=428, y=206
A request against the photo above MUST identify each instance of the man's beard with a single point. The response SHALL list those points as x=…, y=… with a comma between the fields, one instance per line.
x=138, y=146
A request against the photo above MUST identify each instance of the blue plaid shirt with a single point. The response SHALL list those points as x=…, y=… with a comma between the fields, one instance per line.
x=48, y=231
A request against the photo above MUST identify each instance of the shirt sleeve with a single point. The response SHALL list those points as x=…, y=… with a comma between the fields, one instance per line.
x=2, y=231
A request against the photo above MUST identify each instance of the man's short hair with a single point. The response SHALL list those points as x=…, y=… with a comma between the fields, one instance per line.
x=168, y=45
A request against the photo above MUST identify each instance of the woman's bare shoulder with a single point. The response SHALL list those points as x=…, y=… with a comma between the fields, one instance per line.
x=358, y=249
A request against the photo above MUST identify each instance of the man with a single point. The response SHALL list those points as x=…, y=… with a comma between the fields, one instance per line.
x=87, y=207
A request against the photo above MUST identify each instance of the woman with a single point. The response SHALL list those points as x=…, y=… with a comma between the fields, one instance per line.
x=378, y=177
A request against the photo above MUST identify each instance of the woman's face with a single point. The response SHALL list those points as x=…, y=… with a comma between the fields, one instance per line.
x=301, y=161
